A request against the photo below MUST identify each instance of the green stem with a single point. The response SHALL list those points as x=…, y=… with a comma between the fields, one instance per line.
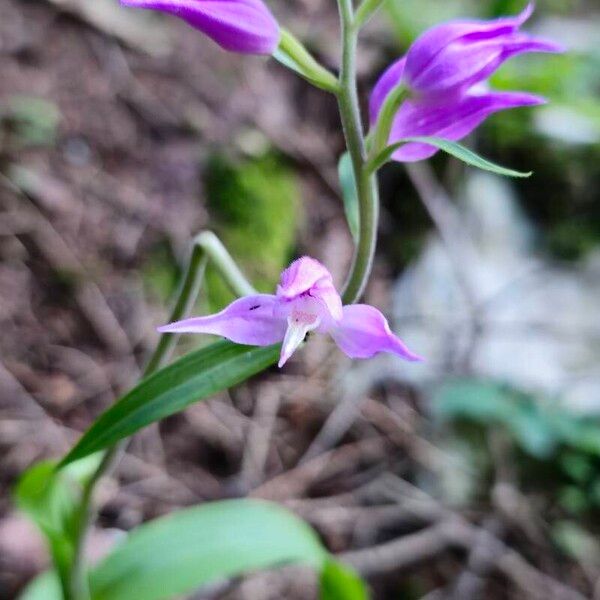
x=366, y=186
x=365, y=11
x=292, y=54
x=206, y=246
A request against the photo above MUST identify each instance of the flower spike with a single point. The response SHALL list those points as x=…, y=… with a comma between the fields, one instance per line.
x=445, y=72
x=306, y=300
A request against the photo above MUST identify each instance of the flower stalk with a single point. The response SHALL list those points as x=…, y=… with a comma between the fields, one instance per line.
x=206, y=247
x=366, y=185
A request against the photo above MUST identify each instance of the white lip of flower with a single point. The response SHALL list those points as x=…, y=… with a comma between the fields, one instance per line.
x=299, y=324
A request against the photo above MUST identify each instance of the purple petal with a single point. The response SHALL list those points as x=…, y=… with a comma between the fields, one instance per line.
x=245, y=26
x=249, y=320
x=307, y=276
x=364, y=331
x=435, y=40
x=389, y=79
x=451, y=120
x=460, y=66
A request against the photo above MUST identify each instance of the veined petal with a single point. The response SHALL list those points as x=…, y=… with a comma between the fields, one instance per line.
x=300, y=277
x=250, y=320
x=308, y=277
x=245, y=26
x=364, y=331
x=435, y=40
x=452, y=120
x=460, y=66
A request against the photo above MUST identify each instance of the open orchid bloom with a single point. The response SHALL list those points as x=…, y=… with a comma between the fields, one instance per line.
x=244, y=26
x=445, y=71
x=306, y=300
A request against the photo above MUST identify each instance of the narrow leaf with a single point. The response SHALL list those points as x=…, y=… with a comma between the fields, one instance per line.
x=50, y=499
x=178, y=553
x=455, y=149
x=349, y=193
x=196, y=376
x=45, y=586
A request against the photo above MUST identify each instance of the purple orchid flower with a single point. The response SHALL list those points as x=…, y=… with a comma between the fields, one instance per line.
x=445, y=71
x=306, y=300
x=244, y=26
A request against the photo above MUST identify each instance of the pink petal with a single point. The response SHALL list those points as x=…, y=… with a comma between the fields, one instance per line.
x=307, y=276
x=364, y=331
x=452, y=120
x=460, y=66
x=435, y=40
x=245, y=26
x=249, y=320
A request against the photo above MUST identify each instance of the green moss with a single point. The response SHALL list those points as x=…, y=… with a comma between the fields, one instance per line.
x=255, y=209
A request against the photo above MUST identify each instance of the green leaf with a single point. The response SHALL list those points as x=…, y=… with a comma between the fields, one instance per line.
x=293, y=55
x=50, y=499
x=47, y=499
x=185, y=550
x=455, y=149
x=196, y=376
x=44, y=587
x=349, y=193
x=490, y=403
x=339, y=582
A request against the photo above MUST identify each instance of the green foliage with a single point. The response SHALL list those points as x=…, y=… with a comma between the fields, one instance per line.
x=339, y=582
x=255, y=206
x=349, y=193
x=190, y=548
x=44, y=587
x=51, y=500
x=51, y=503
x=196, y=376
x=453, y=148
x=193, y=547
x=539, y=426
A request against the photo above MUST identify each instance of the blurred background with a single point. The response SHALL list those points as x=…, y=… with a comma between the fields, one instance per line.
x=474, y=475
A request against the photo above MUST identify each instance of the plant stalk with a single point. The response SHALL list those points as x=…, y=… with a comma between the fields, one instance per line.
x=206, y=246
x=366, y=185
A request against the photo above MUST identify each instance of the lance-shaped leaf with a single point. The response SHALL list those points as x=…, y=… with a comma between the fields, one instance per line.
x=196, y=376
x=455, y=149
x=178, y=553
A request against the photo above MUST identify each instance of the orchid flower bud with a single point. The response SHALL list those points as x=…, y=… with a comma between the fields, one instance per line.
x=244, y=26
x=445, y=72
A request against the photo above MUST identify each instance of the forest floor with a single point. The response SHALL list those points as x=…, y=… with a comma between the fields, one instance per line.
x=139, y=108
